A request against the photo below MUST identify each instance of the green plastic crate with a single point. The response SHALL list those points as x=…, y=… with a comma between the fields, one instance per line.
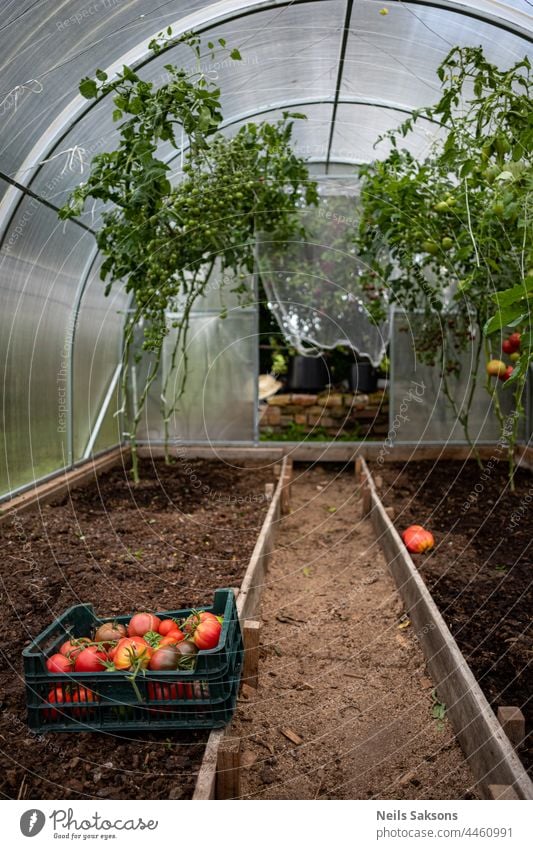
x=182, y=699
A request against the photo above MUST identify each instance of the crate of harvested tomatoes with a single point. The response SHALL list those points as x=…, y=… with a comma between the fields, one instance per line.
x=147, y=671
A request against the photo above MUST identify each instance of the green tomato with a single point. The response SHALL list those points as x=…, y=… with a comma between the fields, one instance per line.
x=447, y=243
x=442, y=206
x=501, y=145
x=430, y=247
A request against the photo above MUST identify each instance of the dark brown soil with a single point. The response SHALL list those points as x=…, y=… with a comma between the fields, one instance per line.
x=184, y=531
x=480, y=572
x=344, y=707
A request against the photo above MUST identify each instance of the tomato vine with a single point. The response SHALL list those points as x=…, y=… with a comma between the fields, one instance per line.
x=451, y=234
x=162, y=237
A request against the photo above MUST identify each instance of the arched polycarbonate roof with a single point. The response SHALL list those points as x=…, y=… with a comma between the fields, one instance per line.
x=353, y=70
x=356, y=68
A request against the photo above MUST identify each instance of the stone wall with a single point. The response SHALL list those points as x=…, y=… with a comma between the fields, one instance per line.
x=337, y=413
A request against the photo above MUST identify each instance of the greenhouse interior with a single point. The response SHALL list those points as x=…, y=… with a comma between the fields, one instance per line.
x=266, y=351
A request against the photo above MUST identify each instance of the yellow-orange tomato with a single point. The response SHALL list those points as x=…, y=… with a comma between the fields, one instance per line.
x=131, y=654
x=417, y=539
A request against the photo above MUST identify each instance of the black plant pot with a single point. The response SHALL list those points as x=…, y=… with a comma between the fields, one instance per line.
x=363, y=377
x=308, y=374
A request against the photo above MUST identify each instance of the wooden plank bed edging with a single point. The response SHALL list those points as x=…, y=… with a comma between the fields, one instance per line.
x=490, y=755
x=63, y=482
x=248, y=598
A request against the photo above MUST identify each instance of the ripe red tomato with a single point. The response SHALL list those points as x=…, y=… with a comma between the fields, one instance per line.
x=508, y=347
x=130, y=653
x=91, y=659
x=71, y=648
x=514, y=339
x=196, y=617
x=59, y=664
x=141, y=623
x=417, y=539
x=171, y=639
x=207, y=633
x=507, y=374
x=83, y=697
x=177, y=690
x=161, y=693
x=57, y=695
x=176, y=633
x=167, y=625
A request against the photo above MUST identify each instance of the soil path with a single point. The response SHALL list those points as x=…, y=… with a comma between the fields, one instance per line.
x=340, y=668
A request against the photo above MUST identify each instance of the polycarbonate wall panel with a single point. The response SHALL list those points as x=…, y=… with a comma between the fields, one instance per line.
x=419, y=409
x=96, y=359
x=219, y=402
x=41, y=264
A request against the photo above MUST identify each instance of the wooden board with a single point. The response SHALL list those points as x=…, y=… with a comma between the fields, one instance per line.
x=253, y=581
x=491, y=756
x=63, y=482
x=215, y=451
x=251, y=633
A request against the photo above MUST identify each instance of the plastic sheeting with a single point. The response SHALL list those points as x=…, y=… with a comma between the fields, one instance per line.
x=293, y=57
x=313, y=286
x=419, y=410
x=41, y=264
x=220, y=398
x=97, y=356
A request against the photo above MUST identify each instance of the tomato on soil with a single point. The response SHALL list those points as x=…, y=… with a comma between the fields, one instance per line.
x=417, y=539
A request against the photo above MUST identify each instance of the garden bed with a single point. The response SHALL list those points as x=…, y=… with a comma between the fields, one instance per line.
x=480, y=571
x=168, y=542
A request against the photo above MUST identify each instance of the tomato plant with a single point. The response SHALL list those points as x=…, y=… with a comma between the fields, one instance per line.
x=162, y=238
x=450, y=235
